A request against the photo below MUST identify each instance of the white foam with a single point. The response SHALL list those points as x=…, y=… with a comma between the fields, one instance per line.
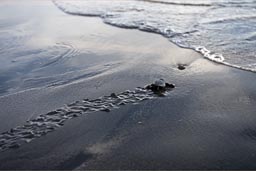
x=216, y=57
x=217, y=25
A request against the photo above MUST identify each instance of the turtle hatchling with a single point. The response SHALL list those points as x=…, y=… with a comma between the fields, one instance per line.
x=160, y=86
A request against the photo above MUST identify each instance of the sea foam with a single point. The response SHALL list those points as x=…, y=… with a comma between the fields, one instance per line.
x=216, y=29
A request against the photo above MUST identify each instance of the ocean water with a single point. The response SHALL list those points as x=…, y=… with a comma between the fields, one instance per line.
x=224, y=31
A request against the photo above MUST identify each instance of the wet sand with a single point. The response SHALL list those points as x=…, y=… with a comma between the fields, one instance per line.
x=206, y=122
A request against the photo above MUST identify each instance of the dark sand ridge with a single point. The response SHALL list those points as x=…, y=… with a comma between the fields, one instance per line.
x=207, y=122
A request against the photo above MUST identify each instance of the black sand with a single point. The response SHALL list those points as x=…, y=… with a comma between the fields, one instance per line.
x=206, y=122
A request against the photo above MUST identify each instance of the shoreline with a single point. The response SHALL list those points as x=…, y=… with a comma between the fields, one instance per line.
x=206, y=122
x=207, y=54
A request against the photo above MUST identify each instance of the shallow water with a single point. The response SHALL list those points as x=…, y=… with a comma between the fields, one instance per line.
x=222, y=30
x=38, y=50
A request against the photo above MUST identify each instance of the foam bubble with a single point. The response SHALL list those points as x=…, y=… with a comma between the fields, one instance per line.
x=216, y=57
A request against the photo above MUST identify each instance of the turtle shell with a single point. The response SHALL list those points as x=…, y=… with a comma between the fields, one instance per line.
x=160, y=83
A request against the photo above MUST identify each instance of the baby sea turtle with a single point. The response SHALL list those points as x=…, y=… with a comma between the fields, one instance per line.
x=160, y=86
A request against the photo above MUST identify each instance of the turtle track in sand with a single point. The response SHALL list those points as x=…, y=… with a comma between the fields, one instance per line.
x=48, y=122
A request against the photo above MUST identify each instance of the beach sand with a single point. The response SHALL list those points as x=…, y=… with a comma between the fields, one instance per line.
x=206, y=122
